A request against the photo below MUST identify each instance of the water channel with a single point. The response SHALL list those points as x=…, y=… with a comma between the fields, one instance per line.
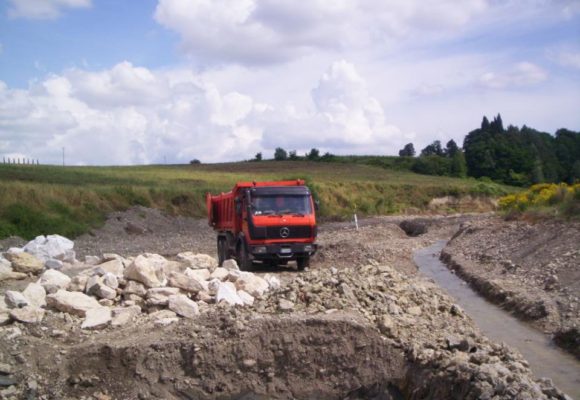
x=545, y=359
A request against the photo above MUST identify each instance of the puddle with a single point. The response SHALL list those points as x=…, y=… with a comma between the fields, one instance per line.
x=545, y=359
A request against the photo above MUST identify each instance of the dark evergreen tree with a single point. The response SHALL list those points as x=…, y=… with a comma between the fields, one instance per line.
x=313, y=155
x=258, y=157
x=458, y=166
x=407, y=151
x=434, y=149
x=292, y=155
x=280, y=154
x=451, y=148
x=485, y=124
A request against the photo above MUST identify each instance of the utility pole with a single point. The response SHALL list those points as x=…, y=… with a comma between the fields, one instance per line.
x=63, y=156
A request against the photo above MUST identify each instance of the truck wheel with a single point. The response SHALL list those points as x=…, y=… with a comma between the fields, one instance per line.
x=221, y=250
x=303, y=262
x=244, y=261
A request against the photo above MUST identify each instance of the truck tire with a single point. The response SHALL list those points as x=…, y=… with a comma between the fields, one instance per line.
x=221, y=250
x=243, y=260
x=302, y=263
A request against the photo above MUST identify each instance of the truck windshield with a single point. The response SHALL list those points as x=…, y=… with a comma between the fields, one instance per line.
x=278, y=205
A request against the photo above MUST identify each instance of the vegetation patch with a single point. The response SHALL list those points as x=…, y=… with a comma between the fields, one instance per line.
x=38, y=200
x=544, y=200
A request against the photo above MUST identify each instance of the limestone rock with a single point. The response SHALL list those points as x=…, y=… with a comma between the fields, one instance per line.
x=97, y=318
x=53, y=280
x=202, y=274
x=247, y=298
x=160, y=296
x=15, y=299
x=53, y=264
x=92, y=260
x=51, y=246
x=183, y=306
x=386, y=325
x=197, y=261
x=416, y=310
x=124, y=315
x=134, y=287
x=147, y=269
x=220, y=273
x=110, y=280
x=7, y=273
x=230, y=265
x=35, y=294
x=273, y=282
x=114, y=267
x=252, y=284
x=103, y=291
x=285, y=305
x=227, y=292
x=78, y=283
x=185, y=282
x=29, y=314
x=72, y=302
x=25, y=263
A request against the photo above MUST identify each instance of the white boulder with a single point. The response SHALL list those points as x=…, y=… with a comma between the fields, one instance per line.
x=160, y=296
x=197, y=261
x=124, y=315
x=202, y=274
x=231, y=265
x=72, y=302
x=35, y=294
x=114, y=267
x=185, y=282
x=15, y=299
x=182, y=305
x=227, y=292
x=97, y=318
x=51, y=246
x=53, y=264
x=53, y=280
x=147, y=269
x=28, y=315
x=247, y=298
x=252, y=284
x=219, y=273
x=25, y=263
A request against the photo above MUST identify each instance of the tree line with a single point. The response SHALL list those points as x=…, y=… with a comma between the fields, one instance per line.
x=512, y=155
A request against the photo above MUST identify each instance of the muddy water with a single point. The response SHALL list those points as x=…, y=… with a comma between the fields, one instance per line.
x=545, y=359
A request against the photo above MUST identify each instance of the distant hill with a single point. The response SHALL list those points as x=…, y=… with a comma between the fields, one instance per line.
x=70, y=200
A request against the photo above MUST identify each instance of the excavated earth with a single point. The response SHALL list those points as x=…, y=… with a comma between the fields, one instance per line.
x=531, y=269
x=361, y=323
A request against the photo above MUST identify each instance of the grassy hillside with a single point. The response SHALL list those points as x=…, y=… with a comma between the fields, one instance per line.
x=71, y=200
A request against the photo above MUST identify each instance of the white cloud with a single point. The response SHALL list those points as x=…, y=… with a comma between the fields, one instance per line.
x=522, y=74
x=131, y=115
x=43, y=9
x=566, y=57
x=346, y=119
x=261, y=32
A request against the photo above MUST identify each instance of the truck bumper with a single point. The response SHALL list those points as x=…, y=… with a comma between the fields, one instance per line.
x=282, y=251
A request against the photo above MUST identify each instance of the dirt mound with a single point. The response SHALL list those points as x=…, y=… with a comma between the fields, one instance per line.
x=324, y=357
x=140, y=230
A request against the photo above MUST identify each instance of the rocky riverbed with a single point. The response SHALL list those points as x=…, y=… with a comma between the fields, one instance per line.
x=531, y=269
x=359, y=324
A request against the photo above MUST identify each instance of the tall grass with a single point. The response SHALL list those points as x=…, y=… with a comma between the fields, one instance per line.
x=48, y=199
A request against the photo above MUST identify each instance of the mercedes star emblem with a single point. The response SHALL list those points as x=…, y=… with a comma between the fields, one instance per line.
x=284, y=232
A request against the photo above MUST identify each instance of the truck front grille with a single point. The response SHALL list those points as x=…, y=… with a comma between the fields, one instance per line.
x=294, y=232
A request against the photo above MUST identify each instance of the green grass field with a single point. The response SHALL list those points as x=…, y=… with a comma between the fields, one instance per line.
x=70, y=200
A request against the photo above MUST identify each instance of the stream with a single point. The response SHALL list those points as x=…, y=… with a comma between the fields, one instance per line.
x=545, y=359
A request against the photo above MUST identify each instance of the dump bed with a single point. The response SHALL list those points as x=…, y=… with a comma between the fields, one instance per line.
x=221, y=208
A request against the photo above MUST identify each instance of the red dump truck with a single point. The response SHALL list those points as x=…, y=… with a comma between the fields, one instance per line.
x=268, y=222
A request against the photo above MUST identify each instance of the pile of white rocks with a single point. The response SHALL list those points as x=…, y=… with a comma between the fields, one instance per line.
x=112, y=290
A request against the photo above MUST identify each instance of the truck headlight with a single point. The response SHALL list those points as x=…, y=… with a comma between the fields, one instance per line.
x=308, y=248
x=260, y=250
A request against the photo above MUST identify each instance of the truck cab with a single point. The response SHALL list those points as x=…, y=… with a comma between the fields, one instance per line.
x=270, y=223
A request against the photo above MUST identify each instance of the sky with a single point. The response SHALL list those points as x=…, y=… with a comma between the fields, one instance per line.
x=121, y=82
